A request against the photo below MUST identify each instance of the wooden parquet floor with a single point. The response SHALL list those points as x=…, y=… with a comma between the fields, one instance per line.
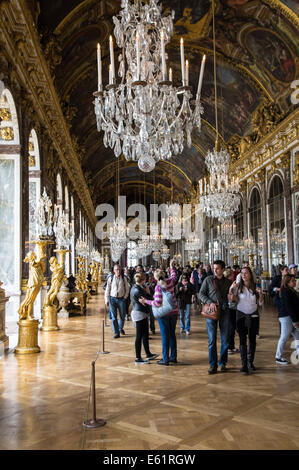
x=44, y=397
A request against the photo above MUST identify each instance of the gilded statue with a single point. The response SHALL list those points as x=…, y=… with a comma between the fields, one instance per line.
x=35, y=281
x=245, y=143
x=94, y=271
x=58, y=277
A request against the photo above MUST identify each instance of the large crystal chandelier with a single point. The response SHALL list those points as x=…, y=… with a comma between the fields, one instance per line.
x=219, y=197
x=63, y=232
x=145, y=116
x=45, y=217
x=118, y=238
x=81, y=248
x=226, y=232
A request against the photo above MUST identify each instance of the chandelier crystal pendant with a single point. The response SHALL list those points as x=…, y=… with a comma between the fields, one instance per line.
x=145, y=116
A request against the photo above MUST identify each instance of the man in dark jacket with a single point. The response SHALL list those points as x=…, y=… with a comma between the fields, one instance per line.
x=209, y=295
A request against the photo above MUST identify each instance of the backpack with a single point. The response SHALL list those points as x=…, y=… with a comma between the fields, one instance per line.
x=168, y=305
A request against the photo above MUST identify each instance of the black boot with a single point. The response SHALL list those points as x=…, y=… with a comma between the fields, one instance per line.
x=251, y=354
x=243, y=353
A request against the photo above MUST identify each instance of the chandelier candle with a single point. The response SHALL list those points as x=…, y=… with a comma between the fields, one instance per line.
x=170, y=74
x=100, y=82
x=137, y=56
x=112, y=58
x=200, y=77
x=187, y=73
x=182, y=61
x=163, y=57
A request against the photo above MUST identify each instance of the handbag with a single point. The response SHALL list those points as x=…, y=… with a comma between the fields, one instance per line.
x=167, y=306
x=207, y=312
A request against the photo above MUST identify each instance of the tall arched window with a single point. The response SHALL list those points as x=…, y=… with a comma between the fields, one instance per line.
x=10, y=196
x=73, y=264
x=59, y=193
x=239, y=222
x=34, y=182
x=277, y=221
x=67, y=213
x=255, y=215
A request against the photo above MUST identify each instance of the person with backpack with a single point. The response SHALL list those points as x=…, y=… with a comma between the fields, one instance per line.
x=168, y=322
x=140, y=314
x=184, y=292
x=116, y=294
x=247, y=297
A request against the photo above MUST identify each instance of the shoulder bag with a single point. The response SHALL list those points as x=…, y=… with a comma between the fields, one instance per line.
x=207, y=312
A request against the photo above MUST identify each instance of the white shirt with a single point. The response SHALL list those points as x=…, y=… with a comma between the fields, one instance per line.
x=116, y=287
x=247, y=302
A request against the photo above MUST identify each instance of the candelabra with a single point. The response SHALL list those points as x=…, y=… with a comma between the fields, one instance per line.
x=145, y=116
x=63, y=232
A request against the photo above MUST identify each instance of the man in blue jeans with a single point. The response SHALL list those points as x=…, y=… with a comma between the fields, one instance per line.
x=214, y=290
x=116, y=294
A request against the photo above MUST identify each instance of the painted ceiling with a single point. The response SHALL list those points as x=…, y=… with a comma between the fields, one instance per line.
x=257, y=45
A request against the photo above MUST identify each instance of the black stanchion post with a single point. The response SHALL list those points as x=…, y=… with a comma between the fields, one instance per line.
x=94, y=422
x=103, y=339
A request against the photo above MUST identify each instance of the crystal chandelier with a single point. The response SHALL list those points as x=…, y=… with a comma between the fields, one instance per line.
x=63, y=232
x=165, y=252
x=145, y=116
x=218, y=198
x=192, y=244
x=81, y=248
x=118, y=238
x=156, y=256
x=44, y=217
x=226, y=232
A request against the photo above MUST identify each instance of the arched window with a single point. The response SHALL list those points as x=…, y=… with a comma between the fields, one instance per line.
x=255, y=215
x=132, y=255
x=277, y=221
x=10, y=196
x=73, y=264
x=34, y=182
x=67, y=213
x=59, y=193
x=239, y=222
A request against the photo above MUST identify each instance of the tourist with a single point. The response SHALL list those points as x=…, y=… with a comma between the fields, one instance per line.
x=140, y=313
x=116, y=293
x=197, y=278
x=293, y=269
x=274, y=287
x=248, y=297
x=232, y=306
x=184, y=292
x=168, y=322
x=208, y=270
x=150, y=288
x=214, y=291
x=288, y=315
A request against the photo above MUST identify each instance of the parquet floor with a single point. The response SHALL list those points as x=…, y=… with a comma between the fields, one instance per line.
x=44, y=397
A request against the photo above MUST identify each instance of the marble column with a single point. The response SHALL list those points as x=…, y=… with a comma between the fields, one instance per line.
x=288, y=210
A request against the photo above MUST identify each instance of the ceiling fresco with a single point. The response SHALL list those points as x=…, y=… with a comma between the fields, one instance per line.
x=257, y=47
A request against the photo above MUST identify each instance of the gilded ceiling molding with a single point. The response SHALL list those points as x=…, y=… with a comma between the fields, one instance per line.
x=286, y=11
x=33, y=73
x=82, y=6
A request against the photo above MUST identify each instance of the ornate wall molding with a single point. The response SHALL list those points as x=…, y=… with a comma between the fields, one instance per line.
x=20, y=41
x=272, y=147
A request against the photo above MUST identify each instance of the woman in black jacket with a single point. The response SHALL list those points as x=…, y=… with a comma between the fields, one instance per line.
x=184, y=292
x=288, y=316
x=140, y=314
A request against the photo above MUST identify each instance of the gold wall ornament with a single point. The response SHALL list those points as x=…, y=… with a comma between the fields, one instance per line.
x=5, y=114
x=50, y=307
x=6, y=133
x=31, y=146
x=31, y=160
x=296, y=169
x=285, y=160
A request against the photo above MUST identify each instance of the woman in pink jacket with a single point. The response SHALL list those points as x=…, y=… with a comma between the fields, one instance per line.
x=168, y=322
